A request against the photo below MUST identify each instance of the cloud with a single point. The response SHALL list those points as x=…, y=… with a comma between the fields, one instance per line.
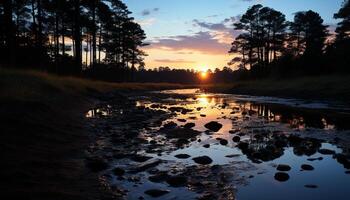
x=147, y=12
x=177, y=61
x=203, y=42
x=146, y=22
x=222, y=31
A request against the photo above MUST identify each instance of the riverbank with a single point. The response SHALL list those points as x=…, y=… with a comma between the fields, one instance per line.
x=333, y=88
x=44, y=134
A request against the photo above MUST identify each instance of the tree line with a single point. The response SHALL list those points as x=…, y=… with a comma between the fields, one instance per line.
x=56, y=35
x=269, y=45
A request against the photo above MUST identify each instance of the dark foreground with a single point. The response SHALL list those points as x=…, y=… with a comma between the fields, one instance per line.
x=44, y=134
x=75, y=139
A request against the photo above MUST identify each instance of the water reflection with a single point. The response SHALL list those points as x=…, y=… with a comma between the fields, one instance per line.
x=264, y=150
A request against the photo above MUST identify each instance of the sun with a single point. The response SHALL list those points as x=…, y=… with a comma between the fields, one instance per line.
x=204, y=74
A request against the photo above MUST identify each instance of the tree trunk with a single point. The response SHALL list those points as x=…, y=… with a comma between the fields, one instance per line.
x=99, y=45
x=94, y=33
x=63, y=38
x=40, y=30
x=10, y=33
x=77, y=36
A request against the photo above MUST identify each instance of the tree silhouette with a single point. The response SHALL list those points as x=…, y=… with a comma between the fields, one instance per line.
x=310, y=33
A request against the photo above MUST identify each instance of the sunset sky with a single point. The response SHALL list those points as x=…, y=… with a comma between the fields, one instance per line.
x=197, y=34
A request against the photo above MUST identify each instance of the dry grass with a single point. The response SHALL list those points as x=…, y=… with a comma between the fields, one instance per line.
x=33, y=85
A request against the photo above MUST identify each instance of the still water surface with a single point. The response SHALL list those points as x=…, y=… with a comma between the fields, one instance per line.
x=261, y=133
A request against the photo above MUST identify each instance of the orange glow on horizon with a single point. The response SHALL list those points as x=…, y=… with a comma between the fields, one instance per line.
x=204, y=75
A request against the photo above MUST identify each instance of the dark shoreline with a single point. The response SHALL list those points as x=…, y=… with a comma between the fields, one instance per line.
x=332, y=88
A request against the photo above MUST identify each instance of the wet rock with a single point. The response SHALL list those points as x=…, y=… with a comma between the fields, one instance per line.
x=97, y=164
x=311, y=186
x=243, y=146
x=181, y=142
x=223, y=142
x=203, y=160
x=206, y=145
x=294, y=139
x=281, y=177
x=159, y=177
x=307, y=167
x=213, y=126
x=146, y=165
x=189, y=125
x=314, y=159
x=232, y=156
x=233, y=131
x=181, y=120
x=118, y=171
x=185, y=111
x=236, y=139
x=343, y=159
x=170, y=125
x=177, y=181
x=140, y=158
x=184, y=133
x=283, y=168
x=156, y=192
x=207, y=196
x=182, y=156
x=326, y=151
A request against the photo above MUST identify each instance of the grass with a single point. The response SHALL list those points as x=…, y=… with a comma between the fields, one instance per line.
x=333, y=87
x=33, y=85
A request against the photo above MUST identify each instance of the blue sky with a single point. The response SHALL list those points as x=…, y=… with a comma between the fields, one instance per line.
x=172, y=26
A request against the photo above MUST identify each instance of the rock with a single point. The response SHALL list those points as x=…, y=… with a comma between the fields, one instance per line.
x=314, y=159
x=177, y=181
x=170, y=125
x=213, y=126
x=311, y=186
x=203, y=115
x=181, y=142
x=283, y=168
x=181, y=120
x=223, y=142
x=156, y=192
x=343, y=159
x=97, y=164
x=233, y=131
x=146, y=165
x=281, y=177
x=159, y=177
x=184, y=133
x=307, y=167
x=203, y=160
x=140, y=158
x=189, y=125
x=326, y=151
x=232, y=156
x=236, y=139
x=206, y=145
x=182, y=156
x=243, y=146
x=118, y=171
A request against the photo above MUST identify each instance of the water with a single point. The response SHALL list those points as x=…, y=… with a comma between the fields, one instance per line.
x=271, y=131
